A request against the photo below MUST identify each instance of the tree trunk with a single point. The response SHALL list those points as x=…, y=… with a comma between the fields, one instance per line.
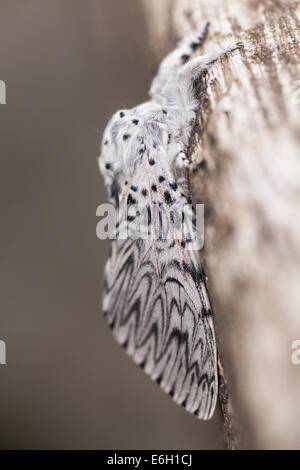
x=248, y=136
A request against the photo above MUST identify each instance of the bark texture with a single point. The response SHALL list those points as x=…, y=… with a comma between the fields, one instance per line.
x=248, y=138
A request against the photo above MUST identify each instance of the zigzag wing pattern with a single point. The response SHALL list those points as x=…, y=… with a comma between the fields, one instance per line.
x=161, y=316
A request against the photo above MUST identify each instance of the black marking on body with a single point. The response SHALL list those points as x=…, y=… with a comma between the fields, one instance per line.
x=130, y=200
x=160, y=225
x=194, y=46
x=168, y=198
x=126, y=136
x=185, y=58
x=206, y=312
x=149, y=215
x=115, y=190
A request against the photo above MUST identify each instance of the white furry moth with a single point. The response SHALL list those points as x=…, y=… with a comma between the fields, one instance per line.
x=155, y=298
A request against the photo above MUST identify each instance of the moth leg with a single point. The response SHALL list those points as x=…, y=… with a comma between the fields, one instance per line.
x=182, y=82
x=182, y=161
x=176, y=59
x=179, y=94
x=195, y=67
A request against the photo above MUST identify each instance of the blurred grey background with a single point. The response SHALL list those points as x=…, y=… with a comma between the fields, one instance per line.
x=68, y=65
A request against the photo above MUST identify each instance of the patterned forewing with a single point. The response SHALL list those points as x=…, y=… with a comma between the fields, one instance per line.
x=155, y=301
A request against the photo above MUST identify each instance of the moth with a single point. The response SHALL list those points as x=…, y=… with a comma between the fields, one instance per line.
x=155, y=299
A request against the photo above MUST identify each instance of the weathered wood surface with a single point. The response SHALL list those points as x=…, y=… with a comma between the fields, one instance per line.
x=248, y=136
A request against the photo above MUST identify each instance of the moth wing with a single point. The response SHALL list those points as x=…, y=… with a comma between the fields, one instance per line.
x=156, y=304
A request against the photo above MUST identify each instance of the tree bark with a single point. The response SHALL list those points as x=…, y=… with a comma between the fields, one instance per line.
x=248, y=137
